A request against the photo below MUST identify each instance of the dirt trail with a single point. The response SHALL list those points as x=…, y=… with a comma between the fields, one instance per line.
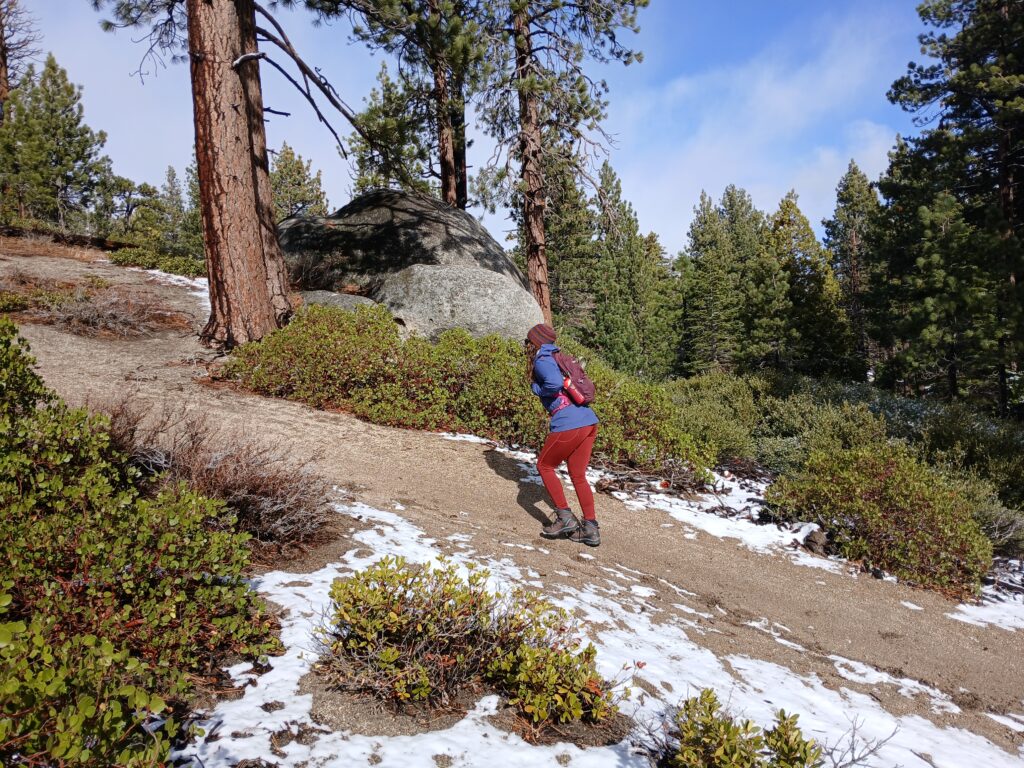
x=465, y=488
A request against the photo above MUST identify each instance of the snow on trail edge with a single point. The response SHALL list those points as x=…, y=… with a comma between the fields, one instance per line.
x=740, y=503
x=242, y=729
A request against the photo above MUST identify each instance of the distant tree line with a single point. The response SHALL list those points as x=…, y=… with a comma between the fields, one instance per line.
x=53, y=173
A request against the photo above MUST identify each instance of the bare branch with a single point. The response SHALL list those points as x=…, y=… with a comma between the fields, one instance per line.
x=309, y=98
x=312, y=77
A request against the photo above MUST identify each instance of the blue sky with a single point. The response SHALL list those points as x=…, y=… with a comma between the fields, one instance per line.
x=770, y=96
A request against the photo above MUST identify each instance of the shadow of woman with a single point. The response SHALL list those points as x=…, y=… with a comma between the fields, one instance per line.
x=532, y=497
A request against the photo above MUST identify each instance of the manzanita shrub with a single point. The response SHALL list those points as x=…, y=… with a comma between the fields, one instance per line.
x=147, y=258
x=332, y=358
x=881, y=504
x=710, y=738
x=109, y=601
x=424, y=634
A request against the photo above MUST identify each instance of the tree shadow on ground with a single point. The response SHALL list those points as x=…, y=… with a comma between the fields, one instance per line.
x=532, y=497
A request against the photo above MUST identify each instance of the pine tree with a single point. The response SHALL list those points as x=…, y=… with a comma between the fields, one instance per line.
x=396, y=117
x=933, y=298
x=190, y=236
x=847, y=237
x=712, y=323
x=952, y=315
x=571, y=225
x=633, y=315
x=247, y=276
x=124, y=210
x=537, y=86
x=19, y=40
x=660, y=324
x=820, y=329
x=441, y=52
x=50, y=161
x=973, y=90
x=296, y=189
x=762, y=282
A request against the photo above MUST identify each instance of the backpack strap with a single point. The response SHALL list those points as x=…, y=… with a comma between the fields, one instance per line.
x=565, y=403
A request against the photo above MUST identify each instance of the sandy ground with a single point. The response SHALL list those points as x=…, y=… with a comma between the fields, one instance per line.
x=466, y=488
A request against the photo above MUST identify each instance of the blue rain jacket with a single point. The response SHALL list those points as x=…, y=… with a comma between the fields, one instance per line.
x=547, y=385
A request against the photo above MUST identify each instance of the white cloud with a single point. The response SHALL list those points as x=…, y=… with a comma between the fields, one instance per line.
x=769, y=124
x=776, y=121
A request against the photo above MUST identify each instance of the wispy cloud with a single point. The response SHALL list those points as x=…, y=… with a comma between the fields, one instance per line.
x=769, y=124
x=790, y=115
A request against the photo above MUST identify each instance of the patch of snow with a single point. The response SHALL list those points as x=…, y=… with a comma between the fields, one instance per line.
x=197, y=286
x=998, y=607
x=911, y=606
x=999, y=612
x=766, y=539
x=768, y=628
x=622, y=630
x=863, y=673
x=1010, y=722
x=461, y=438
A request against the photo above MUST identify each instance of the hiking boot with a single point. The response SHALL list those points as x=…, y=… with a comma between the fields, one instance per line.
x=588, y=533
x=564, y=525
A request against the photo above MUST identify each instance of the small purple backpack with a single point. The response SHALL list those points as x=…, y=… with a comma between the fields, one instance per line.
x=578, y=379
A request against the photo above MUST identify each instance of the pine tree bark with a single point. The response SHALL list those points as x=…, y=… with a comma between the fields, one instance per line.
x=445, y=136
x=248, y=279
x=445, y=129
x=1009, y=203
x=5, y=69
x=458, y=121
x=532, y=169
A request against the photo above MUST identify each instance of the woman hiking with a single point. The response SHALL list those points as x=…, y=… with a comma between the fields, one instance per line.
x=571, y=439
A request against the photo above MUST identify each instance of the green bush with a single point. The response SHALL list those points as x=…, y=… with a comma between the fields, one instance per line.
x=1002, y=525
x=329, y=357
x=553, y=684
x=110, y=600
x=424, y=634
x=13, y=302
x=792, y=429
x=78, y=700
x=991, y=446
x=721, y=410
x=710, y=738
x=144, y=258
x=147, y=258
x=881, y=504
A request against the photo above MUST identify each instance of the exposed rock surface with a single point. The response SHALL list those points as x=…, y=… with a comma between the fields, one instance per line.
x=433, y=267
x=331, y=299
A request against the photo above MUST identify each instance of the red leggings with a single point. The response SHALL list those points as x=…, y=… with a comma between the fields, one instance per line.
x=575, y=446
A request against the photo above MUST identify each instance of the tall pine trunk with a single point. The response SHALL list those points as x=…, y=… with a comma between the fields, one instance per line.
x=1009, y=312
x=5, y=69
x=443, y=104
x=458, y=121
x=248, y=279
x=532, y=168
x=445, y=136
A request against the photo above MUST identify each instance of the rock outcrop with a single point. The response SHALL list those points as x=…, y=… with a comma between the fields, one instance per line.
x=433, y=267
